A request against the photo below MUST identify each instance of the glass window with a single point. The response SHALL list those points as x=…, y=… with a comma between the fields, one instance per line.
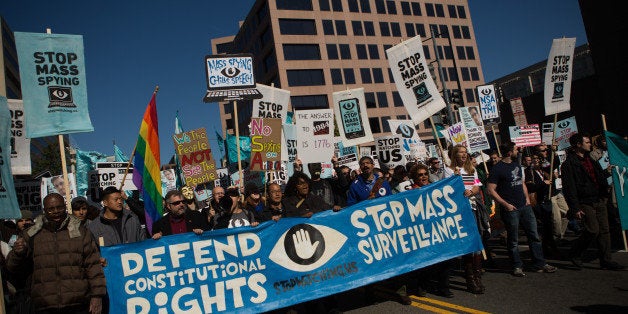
x=397, y=99
x=373, y=52
x=378, y=75
x=305, y=5
x=341, y=27
x=439, y=50
x=365, y=73
x=426, y=51
x=392, y=8
x=336, y=5
x=449, y=54
x=390, y=76
x=461, y=53
x=357, y=28
x=382, y=101
x=369, y=28
x=444, y=74
x=309, y=102
x=328, y=27
x=374, y=123
x=452, y=11
x=416, y=8
x=353, y=6
x=361, y=51
x=386, y=47
x=366, y=6
x=404, y=117
x=396, y=29
x=301, y=52
x=385, y=125
x=470, y=95
x=420, y=29
x=440, y=12
x=324, y=5
x=305, y=77
x=336, y=76
x=297, y=27
x=370, y=100
x=405, y=8
x=465, y=74
x=410, y=30
x=345, y=52
x=461, y=12
x=349, y=76
x=453, y=74
x=470, y=53
x=332, y=52
x=443, y=30
x=434, y=30
x=429, y=9
x=380, y=7
x=475, y=76
x=384, y=28
x=465, y=32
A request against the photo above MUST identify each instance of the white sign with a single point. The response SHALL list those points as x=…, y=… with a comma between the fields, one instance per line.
x=315, y=134
x=412, y=146
x=57, y=185
x=474, y=128
x=412, y=77
x=273, y=104
x=488, y=104
x=20, y=145
x=111, y=174
x=558, y=76
x=290, y=143
x=564, y=130
x=350, y=160
x=390, y=151
x=517, y=110
x=351, y=117
x=456, y=134
x=547, y=133
x=525, y=135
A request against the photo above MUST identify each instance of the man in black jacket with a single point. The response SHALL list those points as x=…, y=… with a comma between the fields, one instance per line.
x=585, y=189
x=180, y=218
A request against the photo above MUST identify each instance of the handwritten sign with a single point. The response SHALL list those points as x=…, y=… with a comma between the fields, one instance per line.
x=456, y=134
x=265, y=144
x=195, y=155
x=315, y=133
x=474, y=128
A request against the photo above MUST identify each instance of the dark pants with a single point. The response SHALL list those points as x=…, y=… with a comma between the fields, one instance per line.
x=595, y=223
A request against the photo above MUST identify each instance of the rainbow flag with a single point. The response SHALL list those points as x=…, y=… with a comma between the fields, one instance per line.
x=146, y=164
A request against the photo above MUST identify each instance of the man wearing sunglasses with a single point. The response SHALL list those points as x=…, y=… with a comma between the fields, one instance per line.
x=179, y=218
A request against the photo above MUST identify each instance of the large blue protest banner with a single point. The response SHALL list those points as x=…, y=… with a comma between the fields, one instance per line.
x=294, y=260
x=618, y=157
x=52, y=72
x=9, y=208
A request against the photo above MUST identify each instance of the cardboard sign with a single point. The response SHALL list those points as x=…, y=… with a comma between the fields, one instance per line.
x=20, y=144
x=488, y=104
x=265, y=144
x=351, y=117
x=315, y=133
x=517, y=110
x=390, y=151
x=195, y=155
x=558, y=76
x=273, y=104
x=526, y=135
x=474, y=129
x=456, y=134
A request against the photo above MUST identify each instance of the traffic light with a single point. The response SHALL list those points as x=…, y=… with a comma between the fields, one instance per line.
x=455, y=97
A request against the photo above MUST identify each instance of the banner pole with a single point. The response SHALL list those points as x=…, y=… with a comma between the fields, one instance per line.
x=551, y=174
x=495, y=137
x=237, y=131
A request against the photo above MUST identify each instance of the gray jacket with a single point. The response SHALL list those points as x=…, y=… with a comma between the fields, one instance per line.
x=132, y=230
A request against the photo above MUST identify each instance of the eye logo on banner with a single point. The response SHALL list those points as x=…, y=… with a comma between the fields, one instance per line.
x=421, y=93
x=405, y=131
x=558, y=90
x=305, y=247
x=60, y=96
x=351, y=118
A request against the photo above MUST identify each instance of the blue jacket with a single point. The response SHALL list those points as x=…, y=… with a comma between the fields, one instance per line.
x=360, y=190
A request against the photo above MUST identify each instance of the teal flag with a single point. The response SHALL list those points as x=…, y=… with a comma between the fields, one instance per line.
x=245, y=148
x=178, y=129
x=86, y=162
x=119, y=155
x=618, y=157
x=9, y=208
x=52, y=73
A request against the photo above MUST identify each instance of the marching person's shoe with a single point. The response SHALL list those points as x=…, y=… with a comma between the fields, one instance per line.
x=611, y=266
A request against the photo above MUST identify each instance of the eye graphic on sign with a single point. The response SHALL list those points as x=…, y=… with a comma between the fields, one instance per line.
x=230, y=72
x=405, y=130
x=564, y=124
x=60, y=94
x=305, y=247
x=348, y=105
x=558, y=88
x=486, y=92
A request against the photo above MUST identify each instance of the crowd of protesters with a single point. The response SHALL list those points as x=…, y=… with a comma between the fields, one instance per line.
x=51, y=263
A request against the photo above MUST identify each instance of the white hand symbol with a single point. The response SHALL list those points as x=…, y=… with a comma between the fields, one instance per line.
x=303, y=245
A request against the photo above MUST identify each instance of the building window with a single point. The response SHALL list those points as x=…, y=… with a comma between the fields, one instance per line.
x=439, y=52
x=452, y=11
x=328, y=27
x=309, y=102
x=465, y=74
x=397, y=99
x=443, y=30
x=470, y=95
x=324, y=5
x=449, y=54
x=470, y=53
x=465, y=32
x=390, y=76
x=313, y=77
x=332, y=52
x=429, y=9
x=297, y=27
x=380, y=7
x=453, y=74
x=416, y=8
x=369, y=28
x=456, y=30
x=420, y=29
x=410, y=30
x=396, y=29
x=301, y=52
x=426, y=52
x=304, y=5
x=336, y=5
x=353, y=6
x=370, y=100
x=443, y=74
x=405, y=8
x=373, y=52
x=341, y=27
x=461, y=53
x=357, y=28
x=440, y=12
x=385, y=125
x=361, y=51
x=374, y=123
x=475, y=76
x=461, y=12
x=365, y=73
x=349, y=76
x=382, y=101
x=336, y=76
x=378, y=75
x=384, y=28
x=366, y=6
x=345, y=53
x=392, y=8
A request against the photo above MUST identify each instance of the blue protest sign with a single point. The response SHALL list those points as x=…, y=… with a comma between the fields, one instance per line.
x=52, y=72
x=277, y=264
x=9, y=207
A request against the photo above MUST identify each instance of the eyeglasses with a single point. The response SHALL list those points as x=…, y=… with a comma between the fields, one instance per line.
x=422, y=174
x=175, y=203
x=55, y=208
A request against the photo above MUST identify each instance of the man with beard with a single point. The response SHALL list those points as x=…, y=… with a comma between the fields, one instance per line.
x=179, y=218
x=115, y=224
x=63, y=262
x=368, y=184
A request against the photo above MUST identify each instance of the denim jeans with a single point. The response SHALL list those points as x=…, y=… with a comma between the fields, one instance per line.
x=525, y=216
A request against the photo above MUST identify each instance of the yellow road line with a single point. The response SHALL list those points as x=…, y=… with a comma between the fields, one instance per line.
x=431, y=308
x=449, y=305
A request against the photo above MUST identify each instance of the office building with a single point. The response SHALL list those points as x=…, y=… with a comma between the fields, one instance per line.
x=9, y=69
